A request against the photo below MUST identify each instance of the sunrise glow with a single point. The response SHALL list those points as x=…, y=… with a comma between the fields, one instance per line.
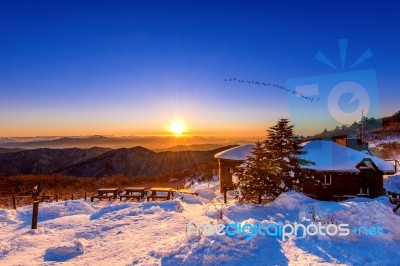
x=177, y=128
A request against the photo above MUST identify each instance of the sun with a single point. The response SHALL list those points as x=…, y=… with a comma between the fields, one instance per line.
x=177, y=128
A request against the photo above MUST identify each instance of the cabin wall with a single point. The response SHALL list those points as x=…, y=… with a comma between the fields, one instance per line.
x=351, y=184
x=225, y=176
x=374, y=181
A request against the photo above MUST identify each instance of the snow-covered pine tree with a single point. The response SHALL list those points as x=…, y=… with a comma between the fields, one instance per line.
x=258, y=174
x=285, y=151
x=274, y=166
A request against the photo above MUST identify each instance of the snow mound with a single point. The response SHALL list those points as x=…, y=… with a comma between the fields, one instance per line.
x=392, y=183
x=121, y=210
x=206, y=194
x=112, y=210
x=160, y=207
x=291, y=200
x=55, y=210
x=8, y=216
x=207, y=190
x=64, y=253
x=190, y=199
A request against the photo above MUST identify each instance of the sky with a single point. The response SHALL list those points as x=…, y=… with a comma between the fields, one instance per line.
x=72, y=68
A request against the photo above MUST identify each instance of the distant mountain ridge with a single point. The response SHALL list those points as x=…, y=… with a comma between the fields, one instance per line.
x=194, y=147
x=102, y=162
x=372, y=128
x=158, y=143
x=139, y=161
x=45, y=160
x=5, y=150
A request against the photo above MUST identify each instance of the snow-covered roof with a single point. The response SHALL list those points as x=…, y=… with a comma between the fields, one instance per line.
x=327, y=156
x=239, y=153
x=330, y=156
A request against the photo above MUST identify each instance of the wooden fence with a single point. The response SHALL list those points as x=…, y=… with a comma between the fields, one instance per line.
x=16, y=201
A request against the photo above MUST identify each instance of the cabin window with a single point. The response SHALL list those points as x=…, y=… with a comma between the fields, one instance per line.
x=229, y=169
x=327, y=179
x=364, y=191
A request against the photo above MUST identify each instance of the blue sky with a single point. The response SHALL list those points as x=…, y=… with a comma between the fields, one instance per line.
x=127, y=67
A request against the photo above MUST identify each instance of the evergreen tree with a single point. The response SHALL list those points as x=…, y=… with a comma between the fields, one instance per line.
x=396, y=116
x=274, y=166
x=257, y=175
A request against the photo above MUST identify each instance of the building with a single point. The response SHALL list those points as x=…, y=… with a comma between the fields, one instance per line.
x=351, y=141
x=227, y=162
x=342, y=171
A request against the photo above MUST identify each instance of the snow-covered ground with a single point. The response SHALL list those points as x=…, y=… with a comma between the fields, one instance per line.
x=155, y=233
x=392, y=183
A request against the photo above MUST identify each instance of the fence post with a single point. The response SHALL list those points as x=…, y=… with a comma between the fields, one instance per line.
x=57, y=198
x=259, y=198
x=72, y=196
x=85, y=195
x=225, y=190
x=14, y=202
x=35, y=207
x=35, y=213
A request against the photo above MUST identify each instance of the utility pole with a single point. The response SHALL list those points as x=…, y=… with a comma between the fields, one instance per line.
x=362, y=127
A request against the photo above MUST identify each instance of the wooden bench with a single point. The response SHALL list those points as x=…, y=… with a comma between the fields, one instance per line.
x=158, y=197
x=154, y=195
x=187, y=191
x=137, y=197
x=394, y=200
x=101, y=197
x=103, y=193
x=129, y=193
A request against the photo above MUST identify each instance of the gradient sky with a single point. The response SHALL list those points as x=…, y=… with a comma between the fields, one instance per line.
x=130, y=68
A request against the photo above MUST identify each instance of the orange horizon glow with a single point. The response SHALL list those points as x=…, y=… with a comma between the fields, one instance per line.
x=229, y=133
x=177, y=128
x=122, y=125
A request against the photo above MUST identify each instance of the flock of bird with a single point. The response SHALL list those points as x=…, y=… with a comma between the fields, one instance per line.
x=311, y=99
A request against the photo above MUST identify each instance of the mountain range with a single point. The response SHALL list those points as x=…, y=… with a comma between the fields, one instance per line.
x=102, y=162
x=39, y=161
x=156, y=143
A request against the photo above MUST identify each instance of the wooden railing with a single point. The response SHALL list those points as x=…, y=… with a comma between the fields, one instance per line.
x=16, y=200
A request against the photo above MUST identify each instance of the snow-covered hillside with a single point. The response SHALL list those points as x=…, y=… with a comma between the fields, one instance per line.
x=155, y=233
x=386, y=148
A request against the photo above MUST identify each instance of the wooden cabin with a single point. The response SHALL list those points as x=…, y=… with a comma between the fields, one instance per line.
x=228, y=161
x=342, y=172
